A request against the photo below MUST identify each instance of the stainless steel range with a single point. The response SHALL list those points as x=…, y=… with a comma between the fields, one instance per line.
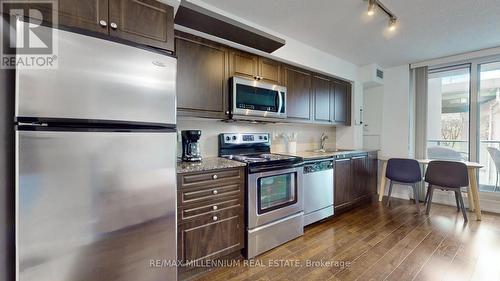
x=274, y=201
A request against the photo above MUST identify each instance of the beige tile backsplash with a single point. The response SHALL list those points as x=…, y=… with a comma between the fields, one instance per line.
x=308, y=135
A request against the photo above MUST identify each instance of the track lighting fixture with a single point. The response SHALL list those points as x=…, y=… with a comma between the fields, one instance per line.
x=372, y=6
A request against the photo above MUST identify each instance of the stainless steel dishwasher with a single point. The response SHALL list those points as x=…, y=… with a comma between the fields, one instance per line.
x=318, y=190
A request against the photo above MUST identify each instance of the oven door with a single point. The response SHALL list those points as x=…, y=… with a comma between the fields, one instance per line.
x=274, y=195
x=254, y=98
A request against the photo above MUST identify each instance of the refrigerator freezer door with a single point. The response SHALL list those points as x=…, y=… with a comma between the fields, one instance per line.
x=101, y=80
x=95, y=206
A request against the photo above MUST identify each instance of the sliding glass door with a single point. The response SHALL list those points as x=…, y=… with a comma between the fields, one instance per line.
x=463, y=117
x=489, y=126
x=448, y=103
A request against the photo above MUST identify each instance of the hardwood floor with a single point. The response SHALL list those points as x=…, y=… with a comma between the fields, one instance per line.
x=379, y=243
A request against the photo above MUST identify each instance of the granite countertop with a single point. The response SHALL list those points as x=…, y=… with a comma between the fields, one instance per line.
x=207, y=164
x=308, y=155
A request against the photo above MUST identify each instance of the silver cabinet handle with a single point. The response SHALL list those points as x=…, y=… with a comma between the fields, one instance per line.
x=215, y=192
x=103, y=23
x=214, y=177
x=215, y=218
x=113, y=25
x=215, y=208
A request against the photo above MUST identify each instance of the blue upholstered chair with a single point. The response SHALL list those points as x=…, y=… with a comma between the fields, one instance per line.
x=447, y=175
x=404, y=172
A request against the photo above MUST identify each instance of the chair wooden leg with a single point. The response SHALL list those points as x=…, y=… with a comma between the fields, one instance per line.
x=462, y=205
x=389, y=194
x=456, y=201
x=417, y=198
x=429, y=199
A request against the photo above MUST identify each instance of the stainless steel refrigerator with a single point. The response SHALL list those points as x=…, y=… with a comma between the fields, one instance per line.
x=95, y=164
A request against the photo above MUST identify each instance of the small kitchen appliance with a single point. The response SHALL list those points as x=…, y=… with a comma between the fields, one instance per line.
x=257, y=100
x=190, y=145
x=274, y=197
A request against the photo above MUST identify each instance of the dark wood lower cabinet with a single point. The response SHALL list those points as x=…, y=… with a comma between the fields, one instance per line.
x=342, y=183
x=355, y=181
x=210, y=216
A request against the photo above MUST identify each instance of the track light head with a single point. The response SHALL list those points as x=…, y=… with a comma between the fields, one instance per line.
x=393, y=21
x=371, y=7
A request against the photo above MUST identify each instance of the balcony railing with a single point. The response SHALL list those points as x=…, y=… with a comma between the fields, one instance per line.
x=487, y=174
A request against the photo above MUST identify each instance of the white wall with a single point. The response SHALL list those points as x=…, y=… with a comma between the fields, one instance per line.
x=300, y=54
x=307, y=139
x=373, y=113
x=396, y=112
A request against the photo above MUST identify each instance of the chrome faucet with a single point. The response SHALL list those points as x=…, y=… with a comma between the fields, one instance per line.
x=323, y=138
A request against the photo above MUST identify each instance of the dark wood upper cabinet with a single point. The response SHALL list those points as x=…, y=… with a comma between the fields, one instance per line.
x=201, y=77
x=147, y=22
x=342, y=103
x=321, y=94
x=253, y=67
x=84, y=14
x=269, y=70
x=243, y=64
x=298, y=84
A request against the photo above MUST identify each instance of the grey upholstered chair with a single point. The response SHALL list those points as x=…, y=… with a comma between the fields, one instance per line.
x=404, y=172
x=495, y=155
x=443, y=153
x=447, y=175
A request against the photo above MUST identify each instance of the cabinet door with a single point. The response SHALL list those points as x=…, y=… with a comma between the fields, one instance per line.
x=321, y=94
x=359, y=177
x=243, y=65
x=211, y=240
x=71, y=13
x=269, y=70
x=84, y=14
x=342, y=103
x=372, y=173
x=342, y=184
x=201, y=78
x=147, y=22
x=298, y=100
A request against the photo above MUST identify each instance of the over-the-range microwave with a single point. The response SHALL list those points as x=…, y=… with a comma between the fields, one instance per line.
x=257, y=100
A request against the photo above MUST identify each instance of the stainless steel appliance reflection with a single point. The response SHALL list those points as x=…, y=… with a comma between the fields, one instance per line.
x=96, y=160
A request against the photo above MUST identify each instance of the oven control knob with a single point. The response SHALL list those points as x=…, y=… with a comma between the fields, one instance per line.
x=228, y=138
x=215, y=207
x=265, y=138
x=234, y=138
x=260, y=137
x=215, y=192
x=215, y=218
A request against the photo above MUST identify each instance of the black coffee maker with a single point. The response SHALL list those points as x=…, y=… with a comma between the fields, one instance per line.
x=190, y=145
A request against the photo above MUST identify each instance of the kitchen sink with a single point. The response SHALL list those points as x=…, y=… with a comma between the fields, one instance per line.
x=329, y=150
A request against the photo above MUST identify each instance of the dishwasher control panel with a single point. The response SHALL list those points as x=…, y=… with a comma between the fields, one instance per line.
x=318, y=166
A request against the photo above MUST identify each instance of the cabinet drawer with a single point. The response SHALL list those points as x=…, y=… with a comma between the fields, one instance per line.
x=198, y=240
x=199, y=211
x=208, y=178
x=190, y=196
x=206, y=214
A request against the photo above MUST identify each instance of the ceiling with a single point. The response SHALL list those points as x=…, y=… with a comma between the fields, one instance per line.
x=427, y=28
